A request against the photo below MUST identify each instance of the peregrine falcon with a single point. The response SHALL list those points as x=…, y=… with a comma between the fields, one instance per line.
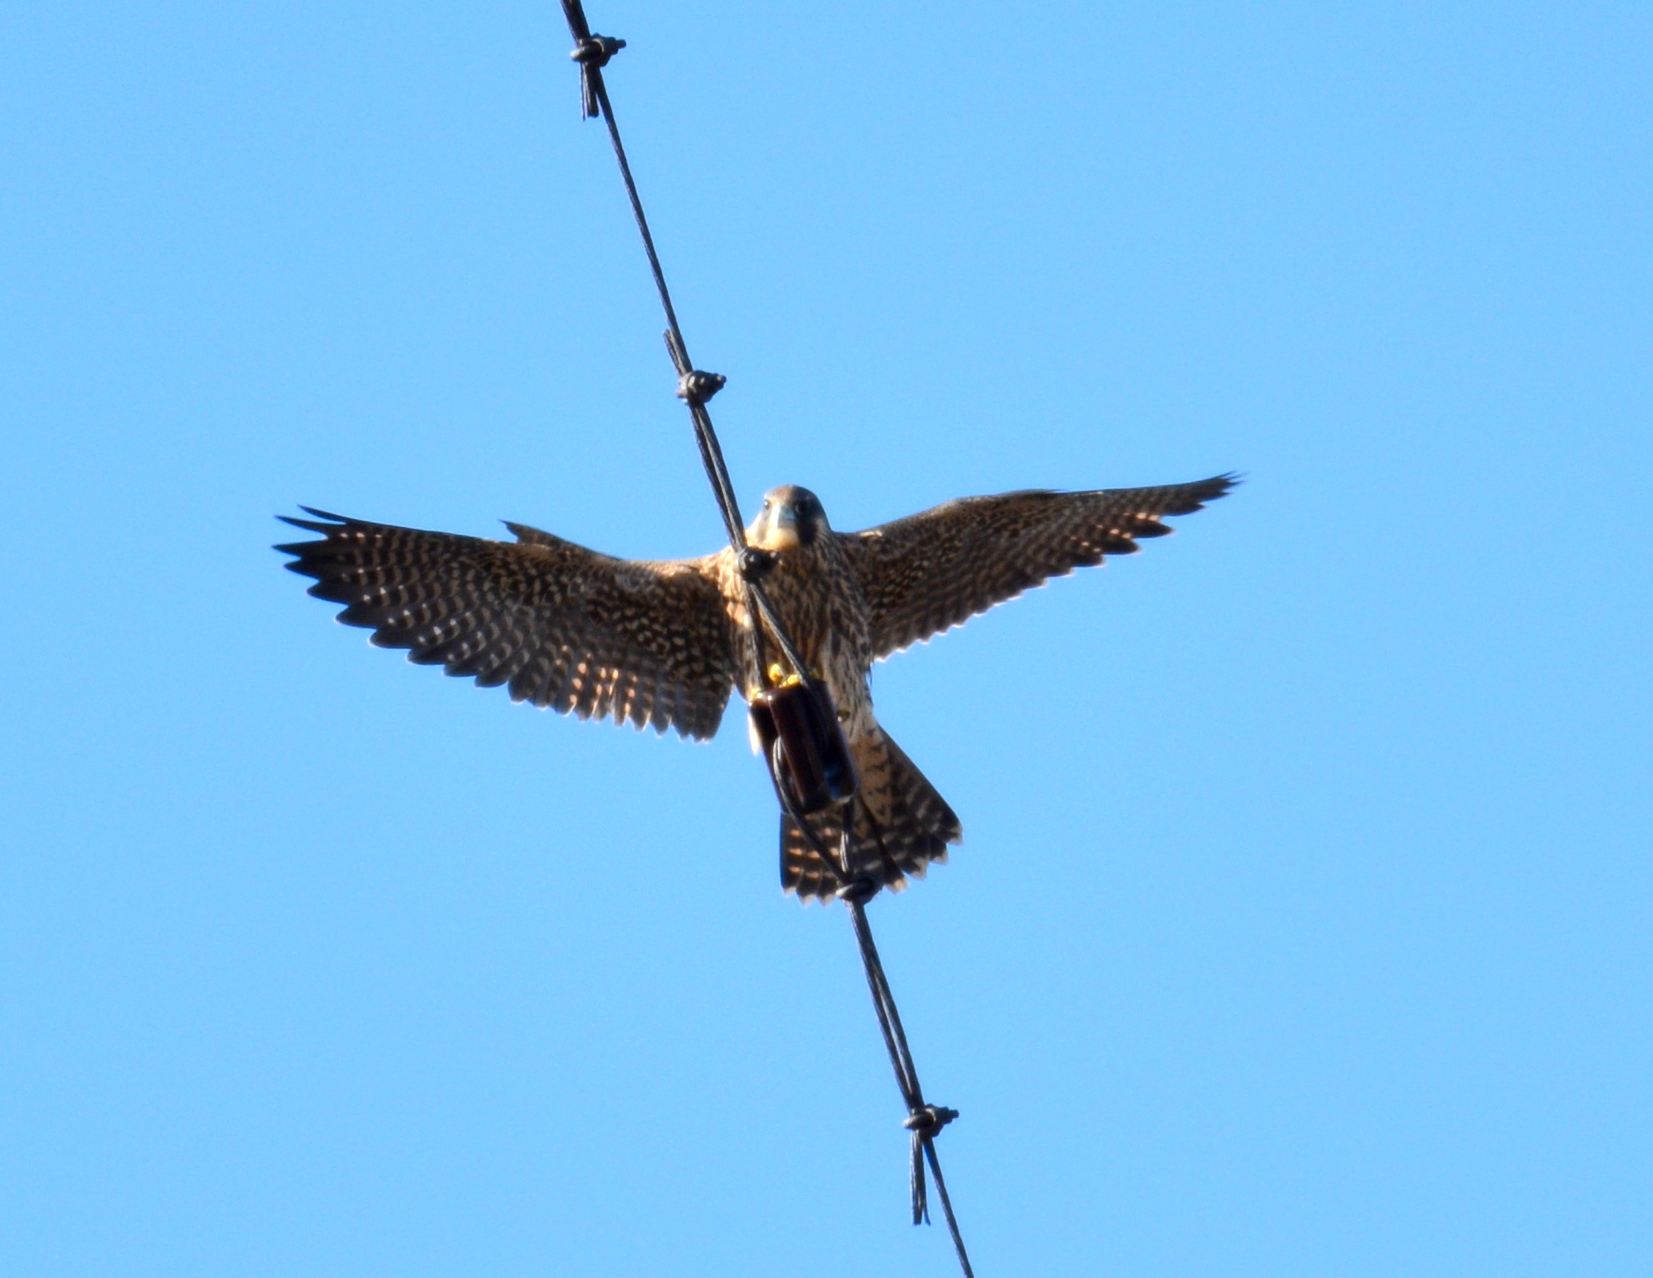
x=662, y=643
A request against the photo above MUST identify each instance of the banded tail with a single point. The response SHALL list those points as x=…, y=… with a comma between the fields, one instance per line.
x=900, y=825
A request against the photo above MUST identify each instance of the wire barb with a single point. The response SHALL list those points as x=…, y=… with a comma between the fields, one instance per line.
x=756, y=564
x=596, y=50
x=929, y=1120
x=697, y=387
x=593, y=52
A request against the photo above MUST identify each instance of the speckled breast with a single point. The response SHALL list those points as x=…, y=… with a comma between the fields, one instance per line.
x=820, y=604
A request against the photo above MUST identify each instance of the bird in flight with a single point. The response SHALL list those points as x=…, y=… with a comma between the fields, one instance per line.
x=662, y=643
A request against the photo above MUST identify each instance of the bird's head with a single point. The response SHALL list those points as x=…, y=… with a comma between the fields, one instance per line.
x=791, y=516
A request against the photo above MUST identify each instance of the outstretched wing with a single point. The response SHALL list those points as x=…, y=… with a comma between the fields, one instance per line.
x=939, y=568
x=560, y=625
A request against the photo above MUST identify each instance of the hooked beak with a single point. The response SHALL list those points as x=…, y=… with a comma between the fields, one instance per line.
x=777, y=529
x=783, y=529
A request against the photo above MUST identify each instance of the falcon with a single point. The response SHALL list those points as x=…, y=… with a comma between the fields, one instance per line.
x=662, y=643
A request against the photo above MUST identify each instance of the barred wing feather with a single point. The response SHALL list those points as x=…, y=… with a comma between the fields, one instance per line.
x=557, y=624
x=934, y=570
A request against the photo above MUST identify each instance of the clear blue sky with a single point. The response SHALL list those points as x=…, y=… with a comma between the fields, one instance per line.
x=1302, y=924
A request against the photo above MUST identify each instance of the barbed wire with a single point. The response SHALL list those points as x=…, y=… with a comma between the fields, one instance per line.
x=695, y=387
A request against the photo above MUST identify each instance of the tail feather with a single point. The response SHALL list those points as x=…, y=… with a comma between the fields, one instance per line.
x=899, y=824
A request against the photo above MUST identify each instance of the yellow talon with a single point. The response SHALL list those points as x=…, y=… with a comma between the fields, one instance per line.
x=781, y=679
